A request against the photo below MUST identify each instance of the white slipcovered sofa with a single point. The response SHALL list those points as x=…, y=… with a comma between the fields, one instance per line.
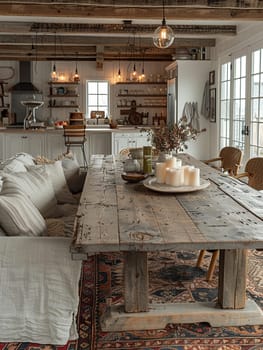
x=39, y=294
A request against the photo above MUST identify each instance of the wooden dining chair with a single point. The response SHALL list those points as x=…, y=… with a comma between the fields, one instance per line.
x=254, y=173
x=75, y=136
x=230, y=159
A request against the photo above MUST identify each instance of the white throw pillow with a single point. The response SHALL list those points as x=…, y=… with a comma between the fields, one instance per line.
x=75, y=179
x=13, y=165
x=2, y=232
x=35, y=184
x=25, y=158
x=1, y=181
x=57, y=177
x=19, y=217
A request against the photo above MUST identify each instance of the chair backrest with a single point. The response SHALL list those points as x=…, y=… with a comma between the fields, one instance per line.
x=254, y=168
x=231, y=159
x=74, y=134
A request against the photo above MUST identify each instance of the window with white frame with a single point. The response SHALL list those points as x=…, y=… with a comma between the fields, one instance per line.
x=97, y=96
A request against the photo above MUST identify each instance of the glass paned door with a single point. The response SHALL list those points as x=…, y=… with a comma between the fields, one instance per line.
x=239, y=103
x=225, y=105
x=256, y=122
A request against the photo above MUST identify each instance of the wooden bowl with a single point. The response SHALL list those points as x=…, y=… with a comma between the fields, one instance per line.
x=133, y=177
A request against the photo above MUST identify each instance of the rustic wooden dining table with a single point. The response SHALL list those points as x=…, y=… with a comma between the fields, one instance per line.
x=116, y=216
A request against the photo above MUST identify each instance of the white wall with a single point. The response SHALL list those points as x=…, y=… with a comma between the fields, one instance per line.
x=192, y=76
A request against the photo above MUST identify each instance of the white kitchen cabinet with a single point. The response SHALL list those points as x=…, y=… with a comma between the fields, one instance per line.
x=98, y=143
x=24, y=142
x=129, y=140
x=55, y=145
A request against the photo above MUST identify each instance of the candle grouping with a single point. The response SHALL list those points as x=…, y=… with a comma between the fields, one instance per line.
x=173, y=173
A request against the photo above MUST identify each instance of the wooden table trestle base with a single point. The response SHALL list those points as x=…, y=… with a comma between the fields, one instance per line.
x=114, y=216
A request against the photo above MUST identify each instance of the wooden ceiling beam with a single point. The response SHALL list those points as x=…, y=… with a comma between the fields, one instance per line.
x=123, y=11
x=87, y=28
x=198, y=3
x=43, y=40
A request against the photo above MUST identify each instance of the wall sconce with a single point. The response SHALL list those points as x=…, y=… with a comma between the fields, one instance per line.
x=163, y=36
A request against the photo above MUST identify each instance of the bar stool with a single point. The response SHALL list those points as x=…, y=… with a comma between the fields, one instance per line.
x=75, y=136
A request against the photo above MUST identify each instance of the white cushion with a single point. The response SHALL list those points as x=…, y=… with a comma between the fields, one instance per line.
x=57, y=177
x=75, y=179
x=19, y=217
x=1, y=181
x=25, y=158
x=2, y=232
x=13, y=165
x=17, y=163
x=35, y=184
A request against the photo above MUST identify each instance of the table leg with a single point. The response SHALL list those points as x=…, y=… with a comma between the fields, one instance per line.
x=135, y=314
x=232, y=278
x=135, y=282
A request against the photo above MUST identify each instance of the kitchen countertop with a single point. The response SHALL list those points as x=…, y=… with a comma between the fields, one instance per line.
x=94, y=128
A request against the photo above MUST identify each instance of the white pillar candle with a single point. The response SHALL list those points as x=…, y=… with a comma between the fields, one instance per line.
x=168, y=176
x=178, y=163
x=171, y=162
x=175, y=176
x=160, y=172
x=186, y=169
x=194, y=177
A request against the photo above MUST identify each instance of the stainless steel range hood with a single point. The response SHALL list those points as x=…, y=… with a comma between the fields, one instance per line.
x=25, y=78
x=24, y=90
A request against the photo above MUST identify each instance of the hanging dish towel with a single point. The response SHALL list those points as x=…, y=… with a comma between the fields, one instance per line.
x=195, y=121
x=188, y=112
x=205, y=101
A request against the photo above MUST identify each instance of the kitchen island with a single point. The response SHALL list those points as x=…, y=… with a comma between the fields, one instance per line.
x=49, y=142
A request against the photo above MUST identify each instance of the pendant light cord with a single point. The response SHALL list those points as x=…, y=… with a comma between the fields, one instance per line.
x=164, y=21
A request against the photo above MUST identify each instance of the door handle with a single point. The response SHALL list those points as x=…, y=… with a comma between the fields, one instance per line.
x=245, y=130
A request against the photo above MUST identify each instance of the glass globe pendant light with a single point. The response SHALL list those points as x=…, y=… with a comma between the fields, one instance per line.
x=163, y=36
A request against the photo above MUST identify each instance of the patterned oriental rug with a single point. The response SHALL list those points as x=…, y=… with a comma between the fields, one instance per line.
x=173, y=278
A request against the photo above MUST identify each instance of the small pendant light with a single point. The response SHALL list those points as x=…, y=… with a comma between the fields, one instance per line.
x=76, y=77
x=119, y=70
x=54, y=75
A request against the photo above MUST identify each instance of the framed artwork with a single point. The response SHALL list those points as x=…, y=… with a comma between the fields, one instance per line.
x=212, y=77
x=212, y=105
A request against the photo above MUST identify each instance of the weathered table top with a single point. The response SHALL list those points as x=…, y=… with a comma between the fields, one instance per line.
x=115, y=215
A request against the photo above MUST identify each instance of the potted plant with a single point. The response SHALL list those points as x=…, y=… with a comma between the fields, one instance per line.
x=173, y=137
